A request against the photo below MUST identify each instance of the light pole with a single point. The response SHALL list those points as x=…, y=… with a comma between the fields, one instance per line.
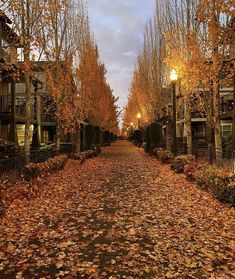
x=138, y=116
x=174, y=78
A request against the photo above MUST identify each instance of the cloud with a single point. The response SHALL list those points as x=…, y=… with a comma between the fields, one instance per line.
x=118, y=26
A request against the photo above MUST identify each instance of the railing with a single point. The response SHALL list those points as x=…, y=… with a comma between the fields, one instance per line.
x=206, y=152
x=20, y=105
x=227, y=103
x=181, y=148
x=36, y=156
x=15, y=163
x=198, y=114
x=66, y=148
x=4, y=104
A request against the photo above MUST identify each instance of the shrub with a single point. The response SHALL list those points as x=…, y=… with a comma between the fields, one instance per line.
x=229, y=193
x=90, y=153
x=84, y=155
x=180, y=161
x=96, y=147
x=78, y=156
x=145, y=145
x=8, y=150
x=164, y=155
x=192, y=167
x=151, y=149
x=33, y=170
x=157, y=151
x=219, y=181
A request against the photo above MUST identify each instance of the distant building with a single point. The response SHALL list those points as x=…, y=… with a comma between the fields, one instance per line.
x=12, y=94
x=201, y=130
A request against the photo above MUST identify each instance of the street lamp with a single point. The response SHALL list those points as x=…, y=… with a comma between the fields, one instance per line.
x=174, y=78
x=138, y=116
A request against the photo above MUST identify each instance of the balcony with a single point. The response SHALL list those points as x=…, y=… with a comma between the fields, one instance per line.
x=198, y=114
x=227, y=103
x=6, y=105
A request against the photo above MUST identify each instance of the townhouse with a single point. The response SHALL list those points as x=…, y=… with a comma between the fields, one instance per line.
x=12, y=93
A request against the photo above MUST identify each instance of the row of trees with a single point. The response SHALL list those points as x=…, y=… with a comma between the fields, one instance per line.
x=194, y=37
x=57, y=32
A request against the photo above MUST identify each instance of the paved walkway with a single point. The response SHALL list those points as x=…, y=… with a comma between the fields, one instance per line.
x=122, y=215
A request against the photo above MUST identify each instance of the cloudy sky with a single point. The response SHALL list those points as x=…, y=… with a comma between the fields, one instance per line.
x=118, y=26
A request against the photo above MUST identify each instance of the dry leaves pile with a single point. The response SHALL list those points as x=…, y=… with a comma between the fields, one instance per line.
x=123, y=215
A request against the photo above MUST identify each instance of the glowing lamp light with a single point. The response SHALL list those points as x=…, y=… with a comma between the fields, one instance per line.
x=173, y=75
x=132, y=124
x=138, y=115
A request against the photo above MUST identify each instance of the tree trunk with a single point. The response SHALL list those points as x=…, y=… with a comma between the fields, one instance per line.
x=169, y=136
x=218, y=132
x=216, y=86
x=57, y=139
x=216, y=122
x=13, y=133
x=26, y=35
x=27, y=116
x=39, y=116
x=218, y=147
x=188, y=127
x=77, y=141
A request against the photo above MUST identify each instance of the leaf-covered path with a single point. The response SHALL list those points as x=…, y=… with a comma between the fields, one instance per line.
x=122, y=215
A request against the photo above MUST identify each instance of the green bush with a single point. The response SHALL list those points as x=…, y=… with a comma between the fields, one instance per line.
x=219, y=181
x=180, y=161
x=164, y=155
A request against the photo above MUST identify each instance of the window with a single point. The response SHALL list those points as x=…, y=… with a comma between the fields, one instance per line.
x=226, y=129
x=20, y=88
x=199, y=131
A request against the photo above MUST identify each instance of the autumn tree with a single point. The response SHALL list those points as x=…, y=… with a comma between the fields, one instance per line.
x=145, y=94
x=57, y=32
x=179, y=38
x=98, y=105
x=216, y=17
x=59, y=36
x=25, y=16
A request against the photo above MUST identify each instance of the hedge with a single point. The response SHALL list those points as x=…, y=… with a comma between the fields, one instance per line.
x=84, y=155
x=163, y=155
x=219, y=181
x=181, y=161
x=33, y=170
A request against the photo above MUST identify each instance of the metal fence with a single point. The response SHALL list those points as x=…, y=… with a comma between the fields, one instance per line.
x=206, y=152
x=15, y=163
x=229, y=159
x=36, y=156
